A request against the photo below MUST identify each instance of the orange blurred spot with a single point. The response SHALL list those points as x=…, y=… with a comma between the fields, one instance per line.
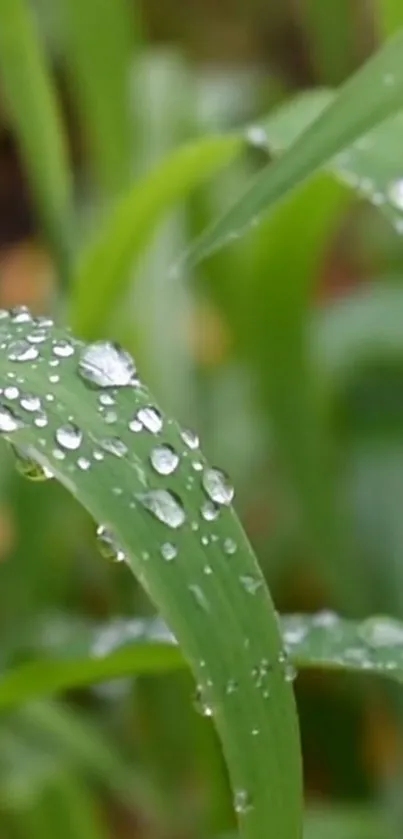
x=26, y=277
x=382, y=742
x=209, y=337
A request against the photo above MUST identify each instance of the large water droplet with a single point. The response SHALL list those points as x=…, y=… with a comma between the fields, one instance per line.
x=22, y=351
x=108, y=545
x=11, y=392
x=107, y=364
x=217, y=486
x=395, y=193
x=8, y=422
x=169, y=551
x=242, y=801
x=69, y=436
x=20, y=314
x=114, y=445
x=165, y=506
x=381, y=632
x=190, y=438
x=150, y=418
x=164, y=459
x=30, y=402
x=37, y=337
x=62, y=349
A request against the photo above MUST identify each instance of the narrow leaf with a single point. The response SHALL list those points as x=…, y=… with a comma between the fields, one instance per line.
x=167, y=515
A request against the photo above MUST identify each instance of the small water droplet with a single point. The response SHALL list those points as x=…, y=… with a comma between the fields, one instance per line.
x=54, y=379
x=20, y=314
x=169, y=551
x=22, y=351
x=217, y=486
x=150, y=418
x=250, y=584
x=30, y=402
x=197, y=465
x=108, y=545
x=199, y=596
x=106, y=400
x=98, y=455
x=242, y=802
x=58, y=454
x=395, y=193
x=8, y=422
x=41, y=421
x=69, y=437
x=84, y=464
x=164, y=459
x=37, y=337
x=209, y=511
x=11, y=392
x=110, y=417
x=165, y=506
x=207, y=570
x=200, y=703
x=205, y=540
x=229, y=546
x=62, y=349
x=135, y=425
x=290, y=672
x=114, y=445
x=107, y=364
x=231, y=687
x=29, y=467
x=190, y=438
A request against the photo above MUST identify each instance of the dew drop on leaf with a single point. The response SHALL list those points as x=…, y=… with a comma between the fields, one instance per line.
x=84, y=464
x=242, y=801
x=217, y=486
x=135, y=425
x=107, y=364
x=164, y=459
x=395, y=193
x=229, y=546
x=200, y=703
x=20, y=314
x=168, y=551
x=69, y=436
x=108, y=545
x=29, y=467
x=22, y=351
x=165, y=506
x=209, y=511
x=190, y=438
x=30, y=402
x=381, y=632
x=11, y=392
x=62, y=349
x=8, y=422
x=250, y=584
x=150, y=418
x=114, y=445
x=106, y=400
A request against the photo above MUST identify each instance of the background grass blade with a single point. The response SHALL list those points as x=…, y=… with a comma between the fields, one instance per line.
x=390, y=16
x=365, y=100
x=211, y=591
x=100, y=38
x=107, y=262
x=33, y=109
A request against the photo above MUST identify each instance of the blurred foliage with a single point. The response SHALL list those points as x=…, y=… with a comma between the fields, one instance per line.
x=284, y=351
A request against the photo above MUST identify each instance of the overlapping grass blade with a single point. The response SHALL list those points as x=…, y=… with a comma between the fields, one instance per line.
x=364, y=101
x=32, y=105
x=197, y=567
x=107, y=262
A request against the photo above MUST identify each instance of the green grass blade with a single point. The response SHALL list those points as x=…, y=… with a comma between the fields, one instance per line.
x=107, y=262
x=390, y=16
x=99, y=51
x=369, y=97
x=331, y=34
x=32, y=105
x=210, y=590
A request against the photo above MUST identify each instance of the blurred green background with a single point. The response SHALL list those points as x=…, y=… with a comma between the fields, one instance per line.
x=284, y=351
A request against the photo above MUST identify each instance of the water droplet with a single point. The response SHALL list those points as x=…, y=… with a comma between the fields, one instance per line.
x=106, y=400
x=231, y=687
x=190, y=438
x=54, y=379
x=250, y=584
x=8, y=422
x=30, y=402
x=395, y=193
x=207, y=570
x=325, y=619
x=22, y=351
x=29, y=467
x=200, y=703
x=20, y=314
x=110, y=417
x=165, y=506
x=36, y=337
x=41, y=421
x=135, y=425
x=69, y=436
x=44, y=322
x=150, y=418
x=58, y=454
x=242, y=802
x=256, y=136
x=216, y=485
x=114, y=445
x=197, y=465
x=98, y=455
x=84, y=464
x=381, y=632
x=229, y=546
x=107, y=364
x=169, y=551
x=62, y=349
x=199, y=596
x=209, y=511
x=290, y=672
x=164, y=459
x=11, y=392
x=108, y=545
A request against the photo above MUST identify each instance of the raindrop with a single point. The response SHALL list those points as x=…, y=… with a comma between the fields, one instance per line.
x=242, y=802
x=165, y=506
x=29, y=467
x=8, y=422
x=135, y=425
x=20, y=314
x=209, y=511
x=41, y=421
x=395, y=193
x=11, y=392
x=37, y=337
x=381, y=632
x=168, y=551
x=30, y=402
x=150, y=418
x=22, y=351
x=216, y=485
x=114, y=445
x=164, y=459
x=197, y=465
x=107, y=364
x=84, y=464
x=229, y=546
x=190, y=438
x=98, y=455
x=106, y=400
x=54, y=379
x=69, y=436
x=200, y=703
x=250, y=584
x=108, y=545
x=62, y=349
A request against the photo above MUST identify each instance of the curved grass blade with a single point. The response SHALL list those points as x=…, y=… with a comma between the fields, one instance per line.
x=107, y=262
x=369, y=97
x=99, y=47
x=81, y=413
x=33, y=109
